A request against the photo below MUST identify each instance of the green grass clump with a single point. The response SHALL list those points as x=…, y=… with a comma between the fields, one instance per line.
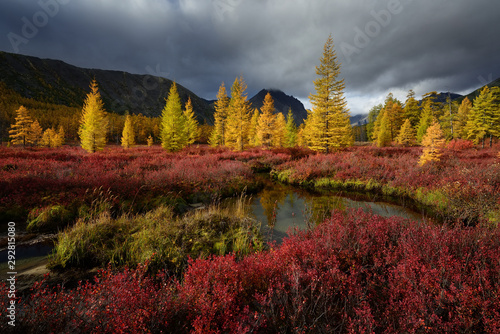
x=158, y=236
x=49, y=218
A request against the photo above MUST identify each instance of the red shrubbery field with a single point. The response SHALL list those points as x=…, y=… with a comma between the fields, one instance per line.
x=464, y=185
x=44, y=177
x=355, y=273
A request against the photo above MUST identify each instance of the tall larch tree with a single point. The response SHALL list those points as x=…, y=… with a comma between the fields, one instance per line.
x=94, y=122
x=128, y=136
x=406, y=135
x=484, y=118
x=411, y=110
x=173, y=127
x=253, y=139
x=265, y=128
x=35, y=133
x=494, y=113
x=191, y=122
x=384, y=137
x=426, y=119
x=217, y=137
x=20, y=130
x=477, y=125
x=462, y=119
x=49, y=138
x=433, y=141
x=279, y=130
x=330, y=126
x=372, y=118
x=290, y=130
x=238, y=118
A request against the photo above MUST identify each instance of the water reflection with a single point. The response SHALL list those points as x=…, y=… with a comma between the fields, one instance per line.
x=281, y=208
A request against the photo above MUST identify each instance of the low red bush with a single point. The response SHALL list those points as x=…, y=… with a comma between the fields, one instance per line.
x=354, y=273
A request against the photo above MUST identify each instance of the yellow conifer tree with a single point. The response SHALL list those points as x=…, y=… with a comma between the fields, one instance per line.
x=35, y=133
x=128, y=137
x=279, y=130
x=290, y=130
x=265, y=127
x=19, y=132
x=432, y=142
x=464, y=109
x=236, y=134
x=150, y=141
x=94, y=122
x=330, y=126
x=217, y=137
x=49, y=138
x=173, y=127
x=60, y=137
x=253, y=139
x=191, y=123
x=406, y=135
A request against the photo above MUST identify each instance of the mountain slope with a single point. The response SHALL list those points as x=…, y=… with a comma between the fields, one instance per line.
x=56, y=82
x=471, y=96
x=282, y=103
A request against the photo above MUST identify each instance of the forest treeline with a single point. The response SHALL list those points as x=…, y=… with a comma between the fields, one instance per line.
x=238, y=126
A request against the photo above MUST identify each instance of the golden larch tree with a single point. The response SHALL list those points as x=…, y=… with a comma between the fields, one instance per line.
x=433, y=141
x=279, y=130
x=49, y=138
x=220, y=116
x=191, y=123
x=173, y=127
x=462, y=119
x=253, y=139
x=265, y=128
x=150, y=140
x=94, y=122
x=35, y=133
x=19, y=131
x=407, y=134
x=411, y=110
x=61, y=137
x=128, y=137
x=330, y=126
x=238, y=118
x=290, y=130
x=383, y=133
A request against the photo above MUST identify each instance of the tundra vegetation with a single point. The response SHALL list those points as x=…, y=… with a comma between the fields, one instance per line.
x=171, y=258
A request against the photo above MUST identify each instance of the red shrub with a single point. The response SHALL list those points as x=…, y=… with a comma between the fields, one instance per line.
x=354, y=273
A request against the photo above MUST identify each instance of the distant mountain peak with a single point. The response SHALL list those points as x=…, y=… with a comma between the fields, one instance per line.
x=282, y=103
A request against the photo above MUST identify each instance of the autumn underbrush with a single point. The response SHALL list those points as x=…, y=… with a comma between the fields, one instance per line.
x=354, y=273
x=463, y=187
x=52, y=188
x=160, y=237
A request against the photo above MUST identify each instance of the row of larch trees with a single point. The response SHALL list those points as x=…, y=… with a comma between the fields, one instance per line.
x=27, y=132
x=407, y=124
x=326, y=128
x=238, y=126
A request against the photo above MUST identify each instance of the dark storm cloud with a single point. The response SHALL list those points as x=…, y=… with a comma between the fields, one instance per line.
x=386, y=45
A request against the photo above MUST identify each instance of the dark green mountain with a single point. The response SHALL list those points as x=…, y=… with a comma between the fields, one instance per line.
x=56, y=82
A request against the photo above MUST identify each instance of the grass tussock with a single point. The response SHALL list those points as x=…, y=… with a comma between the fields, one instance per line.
x=158, y=236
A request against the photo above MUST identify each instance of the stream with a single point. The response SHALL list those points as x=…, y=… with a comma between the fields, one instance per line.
x=280, y=208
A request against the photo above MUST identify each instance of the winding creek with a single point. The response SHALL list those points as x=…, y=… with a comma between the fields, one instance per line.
x=280, y=208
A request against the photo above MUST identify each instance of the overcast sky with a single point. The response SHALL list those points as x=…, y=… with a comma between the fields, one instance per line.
x=384, y=46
